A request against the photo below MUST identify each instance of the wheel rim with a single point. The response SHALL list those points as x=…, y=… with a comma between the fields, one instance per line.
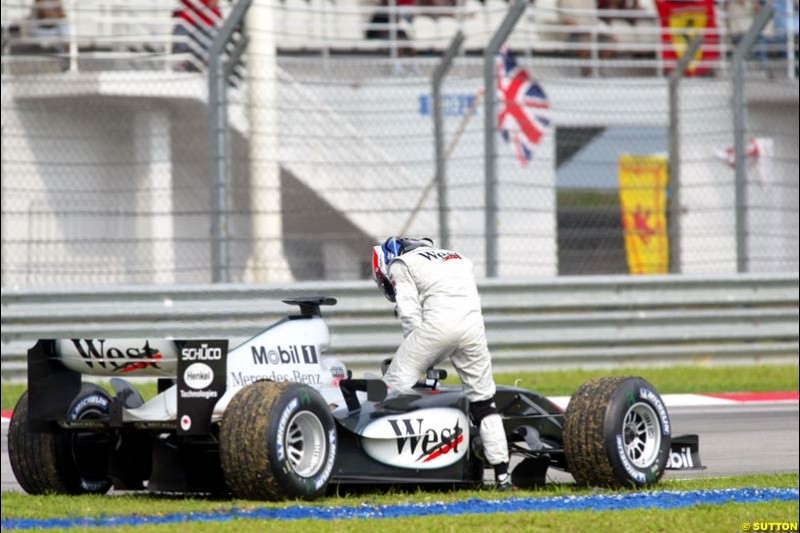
x=305, y=444
x=642, y=435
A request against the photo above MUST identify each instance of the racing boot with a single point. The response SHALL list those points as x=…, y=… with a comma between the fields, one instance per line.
x=502, y=478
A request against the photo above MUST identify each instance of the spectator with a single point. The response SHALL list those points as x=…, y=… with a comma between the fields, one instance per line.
x=379, y=24
x=195, y=27
x=780, y=40
x=49, y=23
x=618, y=5
x=740, y=17
x=589, y=14
x=583, y=13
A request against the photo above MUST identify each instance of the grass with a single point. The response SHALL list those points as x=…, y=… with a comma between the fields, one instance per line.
x=671, y=380
x=726, y=517
x=564, y=382
x=17, y=505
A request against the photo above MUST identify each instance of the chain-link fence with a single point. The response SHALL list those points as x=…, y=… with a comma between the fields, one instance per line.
x=107, y=175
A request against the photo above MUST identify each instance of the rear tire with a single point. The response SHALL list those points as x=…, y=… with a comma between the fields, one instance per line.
x=617, y=433
x=277, y=441
x=62, y=461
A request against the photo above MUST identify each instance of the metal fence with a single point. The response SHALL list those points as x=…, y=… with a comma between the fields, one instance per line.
x=598, y=321
x=107, y=176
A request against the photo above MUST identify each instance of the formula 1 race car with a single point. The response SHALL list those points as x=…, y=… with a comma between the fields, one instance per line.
x=275, y=418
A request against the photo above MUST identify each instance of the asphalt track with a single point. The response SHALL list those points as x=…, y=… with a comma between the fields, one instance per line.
x=734, y=440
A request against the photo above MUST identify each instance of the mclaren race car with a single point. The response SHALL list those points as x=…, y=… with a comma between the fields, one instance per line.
x=276, y=418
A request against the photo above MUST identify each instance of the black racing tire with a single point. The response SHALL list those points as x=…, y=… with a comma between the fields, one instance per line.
x=62, y=461
x=617, y=433
x=277, y=441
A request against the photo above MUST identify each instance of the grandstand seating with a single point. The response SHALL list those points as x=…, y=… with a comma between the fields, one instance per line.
x=119, y=29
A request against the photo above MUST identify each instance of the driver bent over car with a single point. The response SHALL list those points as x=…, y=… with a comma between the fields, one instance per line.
x=440, y=311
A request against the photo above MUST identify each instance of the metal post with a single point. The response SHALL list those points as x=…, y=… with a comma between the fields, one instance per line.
x=489, y=134
x=393, y=23
x=790, y=36
x=220, y=143
x=439, y=74
x=73, y=36
x=675, y=153
x=740, y=130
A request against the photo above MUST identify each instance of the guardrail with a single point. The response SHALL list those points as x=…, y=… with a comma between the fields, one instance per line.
x=532, y=324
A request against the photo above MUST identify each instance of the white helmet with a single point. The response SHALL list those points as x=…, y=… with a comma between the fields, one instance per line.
x=382, y=257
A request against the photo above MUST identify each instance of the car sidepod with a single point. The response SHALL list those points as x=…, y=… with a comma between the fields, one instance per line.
x=418, y=439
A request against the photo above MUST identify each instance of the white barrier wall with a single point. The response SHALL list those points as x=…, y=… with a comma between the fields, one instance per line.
x=79, y=186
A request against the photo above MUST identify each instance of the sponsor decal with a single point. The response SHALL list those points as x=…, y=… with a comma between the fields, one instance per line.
x=326, y=473
x=626, y=464
x=198, y=376
x=204, y=394
x=284, y=420
x=95, y=352
x=630, y=398
x=303, y=354
x=431, y=442
x=201, y=381
x=337, y=372
x=92, y=486
x=201, y=353
x=453, y=105
x=439, y=255
x=94, y=400
x=186, y=422
x=681, y=459
x=240, y=379
x=653, y=398
x=425, y=439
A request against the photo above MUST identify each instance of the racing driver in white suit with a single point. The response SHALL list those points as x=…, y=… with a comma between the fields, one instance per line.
x=440, y=310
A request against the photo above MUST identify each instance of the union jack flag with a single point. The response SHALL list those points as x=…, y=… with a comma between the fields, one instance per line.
x=524, y=111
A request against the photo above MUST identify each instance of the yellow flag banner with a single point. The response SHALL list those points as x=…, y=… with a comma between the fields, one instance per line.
x=643, y=201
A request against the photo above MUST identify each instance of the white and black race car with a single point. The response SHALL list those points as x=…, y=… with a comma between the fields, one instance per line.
x=276, y=418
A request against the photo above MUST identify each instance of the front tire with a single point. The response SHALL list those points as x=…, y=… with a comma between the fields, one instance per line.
x=62, y=461
x=277, y=441
x=617, y=433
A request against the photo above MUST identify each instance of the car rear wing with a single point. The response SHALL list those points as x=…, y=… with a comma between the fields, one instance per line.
x=197, y=367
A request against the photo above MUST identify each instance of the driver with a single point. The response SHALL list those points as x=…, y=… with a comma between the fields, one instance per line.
x=440, y=310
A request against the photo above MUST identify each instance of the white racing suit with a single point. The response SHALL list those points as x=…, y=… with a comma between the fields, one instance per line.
x=440, y=310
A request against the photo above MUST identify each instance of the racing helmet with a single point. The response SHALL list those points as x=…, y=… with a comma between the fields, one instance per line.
x=380, y=273
x=383, y=255
x=394, y=247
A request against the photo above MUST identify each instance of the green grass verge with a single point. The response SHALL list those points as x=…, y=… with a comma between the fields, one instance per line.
x=17, y=505
x=671, y=380
x=565, y=382
x=726, y=517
